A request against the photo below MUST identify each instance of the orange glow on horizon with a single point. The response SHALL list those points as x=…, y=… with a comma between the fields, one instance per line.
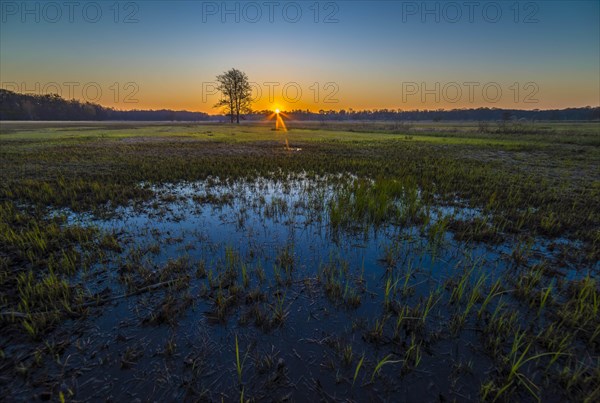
x=555, y=96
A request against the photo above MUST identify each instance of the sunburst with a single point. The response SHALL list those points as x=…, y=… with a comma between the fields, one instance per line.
x=280, y=124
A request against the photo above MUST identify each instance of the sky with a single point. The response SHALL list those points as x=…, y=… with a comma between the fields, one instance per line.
x=306, y=54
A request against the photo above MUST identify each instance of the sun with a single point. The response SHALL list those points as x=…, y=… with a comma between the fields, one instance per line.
x=277, y=111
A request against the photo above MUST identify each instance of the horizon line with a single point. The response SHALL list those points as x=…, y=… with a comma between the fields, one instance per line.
x=347, y=110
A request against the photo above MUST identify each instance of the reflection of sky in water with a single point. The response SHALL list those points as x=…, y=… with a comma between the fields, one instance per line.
x=260, y=218
x=250, y=225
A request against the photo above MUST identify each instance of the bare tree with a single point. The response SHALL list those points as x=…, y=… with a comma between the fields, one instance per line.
x=236, y=93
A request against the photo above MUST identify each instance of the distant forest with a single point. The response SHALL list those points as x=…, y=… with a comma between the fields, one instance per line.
x=15, y=106
x=480, y=114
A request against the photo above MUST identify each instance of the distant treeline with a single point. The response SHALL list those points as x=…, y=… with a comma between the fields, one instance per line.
x=15, y=106
x=480, y=114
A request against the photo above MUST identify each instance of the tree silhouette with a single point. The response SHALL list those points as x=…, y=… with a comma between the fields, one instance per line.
x=236, y=92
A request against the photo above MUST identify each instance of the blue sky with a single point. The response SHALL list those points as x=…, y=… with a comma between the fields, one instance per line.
x=388, y=54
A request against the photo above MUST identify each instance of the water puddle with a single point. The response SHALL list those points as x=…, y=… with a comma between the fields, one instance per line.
x=307, y=278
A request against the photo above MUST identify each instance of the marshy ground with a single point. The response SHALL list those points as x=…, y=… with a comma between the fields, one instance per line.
x=373, y=261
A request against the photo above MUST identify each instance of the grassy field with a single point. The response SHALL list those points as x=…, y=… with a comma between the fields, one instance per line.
x=366, y=262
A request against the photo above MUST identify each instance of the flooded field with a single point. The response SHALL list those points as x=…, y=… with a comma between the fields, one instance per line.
x=333, y=286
